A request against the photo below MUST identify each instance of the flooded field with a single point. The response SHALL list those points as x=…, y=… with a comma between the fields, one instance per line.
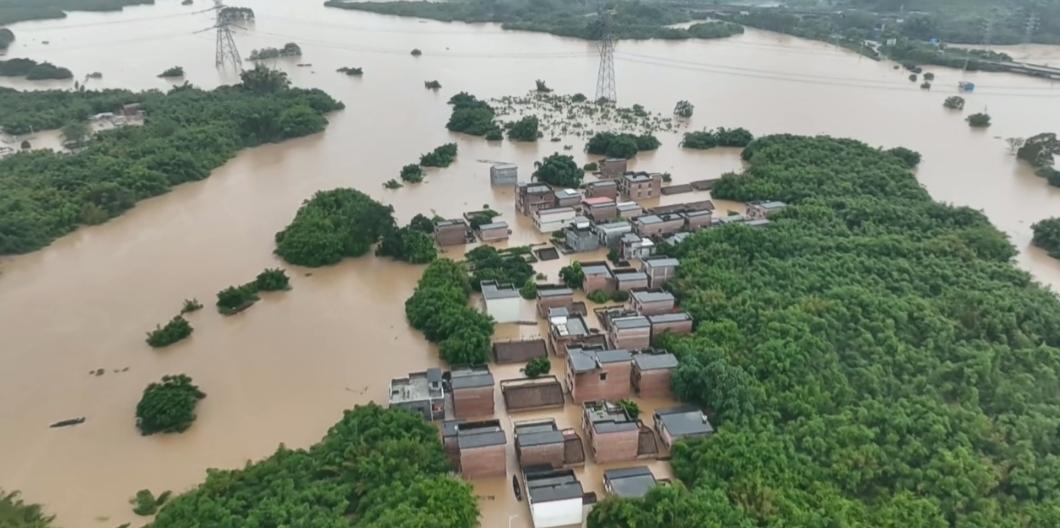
x=283, y=371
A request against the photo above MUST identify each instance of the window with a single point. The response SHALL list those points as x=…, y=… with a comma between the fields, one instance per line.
x=603, y=376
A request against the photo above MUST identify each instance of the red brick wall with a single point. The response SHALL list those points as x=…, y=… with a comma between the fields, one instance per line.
x=615, y=447
x=588, y=385
x=629, y=285
x=540, y=455
x=636, y=339
x=653, y=383
x=470, y=403
x=598, y=282
x=483, y=461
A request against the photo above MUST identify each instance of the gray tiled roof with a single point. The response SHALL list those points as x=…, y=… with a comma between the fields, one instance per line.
x=664, y=262
x=483, y=438
x=554, y=292
x=491, y=290
x=631, y=276
x=541, y=438
x=676, y=317
x=553, y=486
x=626, y=323
x=468, y=379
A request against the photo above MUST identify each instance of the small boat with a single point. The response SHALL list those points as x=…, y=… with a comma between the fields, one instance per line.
x=68, y=423
x=966, y=86
x=517, y=488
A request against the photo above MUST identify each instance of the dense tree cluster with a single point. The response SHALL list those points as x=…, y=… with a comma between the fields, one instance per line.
x=559, y=170
x=620, y=145
x=16, y=513
x=507, y=266
x=235, y=299
x=412, y=173
x=12, y=11
x=472, y=116
x=525, y=129
x=537, y=367
x=33, y=70
x=175, y=330
x=684, y=109
x=628, y=19
x=1040, y=151
x=145, y=503
x=910, y=158
x=351, y=71
x=1047, y=236
x=572, y=275
x=375, y=468
x=45, y=194
x=432, y=85
x=332, y=225
x=440, y=310
x=720, y=137
x=169, y=406
x=409, y=245
x=442, y=156
x=871, y=358
x=272, y=279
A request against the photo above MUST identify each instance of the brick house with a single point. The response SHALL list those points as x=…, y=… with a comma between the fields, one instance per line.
x=504, y=174
x=679, y=323
x=659, y=270
x=630, y=482
x=613, y=435
x=566, y=330
x=610, y=234
x=530, y=197
x=613, y=168
x=567, y=197
x=680, y=423
x=632, y=246
x=471, y=390
x=659, y=225
x=629, y=279
x=629, y=210
x=553, y=297
x=631, y=332
x=652, y=302
x=601, y=209
x=638, y=186
x=602, y=188
x=598, y=276
x=653, y=374
x=540, y=443
x=477, y=449
x=494, y=231
x=452, y=232
x=598, y=374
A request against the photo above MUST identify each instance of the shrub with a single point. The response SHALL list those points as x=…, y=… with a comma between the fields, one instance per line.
x=620, y=145
x=528, y=290
x=353, y=72
x=979, y=120
x=525, y=129
x=720, y=137
x=954, y=102
x=416, y=52
x=631, y=408
x=169, y=406
x=909, y=158
x=408, y=245
x=599, y=297
x=1047, y=236
x=412, y=173
x=537, y=367
x=175, y=330
x=272, y=280
x=175, y=71
x=439, y=309
x=234, y=299
x=572, y=275
x=620, y=296
x=190, y=305
x=591, y=167
x=432, y=85
x=442, y=156
x=684, y=109
x=472, y=116
x=145, y=503
x=392, y=184
x=422, y=224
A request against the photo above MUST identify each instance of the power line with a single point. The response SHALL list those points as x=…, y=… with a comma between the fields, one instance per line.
x=112, y=22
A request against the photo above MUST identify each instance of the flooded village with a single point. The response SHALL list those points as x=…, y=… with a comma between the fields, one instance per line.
x=538, y=451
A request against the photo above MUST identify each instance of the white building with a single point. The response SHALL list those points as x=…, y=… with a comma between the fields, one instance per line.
x=555, y=498
x=502, y=301
x=554, y=219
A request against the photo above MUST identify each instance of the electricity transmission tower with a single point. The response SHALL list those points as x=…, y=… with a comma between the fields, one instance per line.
x=605, y=76
x=226, y=53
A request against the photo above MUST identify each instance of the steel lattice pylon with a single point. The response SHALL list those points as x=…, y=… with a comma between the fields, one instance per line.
x=226, y=52
x=605, y=76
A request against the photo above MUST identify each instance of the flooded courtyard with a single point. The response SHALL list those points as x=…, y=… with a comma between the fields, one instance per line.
x=283, y=371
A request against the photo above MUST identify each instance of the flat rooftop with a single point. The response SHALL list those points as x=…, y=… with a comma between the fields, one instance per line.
x=418, y=386
x=470, y=378
x=684, y=422
x=493, y=225
x=583, y=360
x=599, y=200
x=545, y=293
x=664, y=262
x=614, y=226
x=676, y=317
x=632, y=482
x=570, y=325
x=491, y=290
x=649, y=219
x=631, y=275
x=607, y=417
x=648, y=361
x=548, y=486
x=650, y=296
x=596, y=269
x=630, y=322
x=538, y=433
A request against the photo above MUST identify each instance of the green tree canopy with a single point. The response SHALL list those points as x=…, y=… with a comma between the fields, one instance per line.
x=559, y=170
x=169, y=406
x=332, y=225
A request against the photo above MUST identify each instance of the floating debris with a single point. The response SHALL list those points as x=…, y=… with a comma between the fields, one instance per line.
x=68, y=423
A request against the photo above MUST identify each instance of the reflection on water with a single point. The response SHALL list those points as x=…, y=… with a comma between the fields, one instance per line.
x=284, y=370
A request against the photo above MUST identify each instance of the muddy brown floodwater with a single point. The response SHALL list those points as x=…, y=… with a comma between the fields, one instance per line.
x=283, y=371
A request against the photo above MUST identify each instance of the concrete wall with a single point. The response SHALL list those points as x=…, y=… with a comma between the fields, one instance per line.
x=598, y=282
x=557, y=513
x=544, y=303
x=473, y=402
x=666, y=227
x=654, y=307
x=629, y=285
x=504, y=310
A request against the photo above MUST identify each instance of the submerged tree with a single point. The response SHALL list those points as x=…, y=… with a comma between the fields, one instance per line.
x=169, y=406
x=684, y=109
x=559, y=170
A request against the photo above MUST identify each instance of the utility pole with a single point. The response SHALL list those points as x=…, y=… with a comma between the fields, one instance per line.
x=226, y=52
x=605, y=76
